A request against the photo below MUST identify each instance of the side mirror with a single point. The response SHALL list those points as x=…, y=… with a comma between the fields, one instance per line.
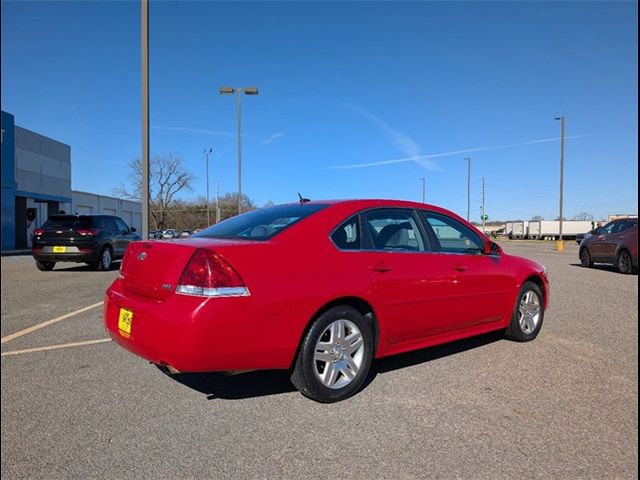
x=132, y=229
x=491, y=248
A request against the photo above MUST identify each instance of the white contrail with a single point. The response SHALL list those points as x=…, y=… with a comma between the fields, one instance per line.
x=192, y=130
x=423, y=159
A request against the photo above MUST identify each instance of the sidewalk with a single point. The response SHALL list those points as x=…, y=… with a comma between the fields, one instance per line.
x=9, y=253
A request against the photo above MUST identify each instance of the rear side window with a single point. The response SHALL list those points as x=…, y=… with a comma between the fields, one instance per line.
x=394, y=230
x=263, y=223
x=347, y=235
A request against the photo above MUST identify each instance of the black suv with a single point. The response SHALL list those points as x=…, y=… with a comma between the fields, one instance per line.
x=93, y=239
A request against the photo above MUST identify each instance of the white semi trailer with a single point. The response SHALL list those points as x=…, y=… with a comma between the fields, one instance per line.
x=520, y=229
x=550, y=229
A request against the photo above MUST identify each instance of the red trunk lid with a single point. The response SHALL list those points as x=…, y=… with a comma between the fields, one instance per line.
x=153, y=268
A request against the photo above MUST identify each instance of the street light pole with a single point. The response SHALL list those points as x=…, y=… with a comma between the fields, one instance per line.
x=560, y=244
x=238, y=91
x=144, y=60
x=206, y=156
x=424, y=190
x=468, y=159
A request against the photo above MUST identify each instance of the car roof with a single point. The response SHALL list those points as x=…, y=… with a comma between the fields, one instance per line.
x=374, y=202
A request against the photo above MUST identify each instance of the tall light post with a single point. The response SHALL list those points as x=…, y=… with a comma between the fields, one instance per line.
x=238, y=92
x=560, y=244
x=206, y=158
x=144, y=73
x=424, y=190
x=468, y=159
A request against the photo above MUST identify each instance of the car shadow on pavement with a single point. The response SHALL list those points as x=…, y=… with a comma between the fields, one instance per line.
x=416, y=357
x=600, y=266
x=235, y=387
x=270, y=382
x=87, y=268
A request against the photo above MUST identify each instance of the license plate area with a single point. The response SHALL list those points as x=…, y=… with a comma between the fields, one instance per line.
x=58, y=249
x=125, y=320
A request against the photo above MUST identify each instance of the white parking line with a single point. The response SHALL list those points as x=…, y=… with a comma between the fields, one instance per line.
x=48, y=322
x=55, y=347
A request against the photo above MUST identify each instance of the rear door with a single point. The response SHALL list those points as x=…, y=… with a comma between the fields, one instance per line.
x=415, y=289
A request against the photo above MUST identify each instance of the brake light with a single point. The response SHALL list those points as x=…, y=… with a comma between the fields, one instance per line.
x=208, y=274
x=90, y=232
x=38, y=231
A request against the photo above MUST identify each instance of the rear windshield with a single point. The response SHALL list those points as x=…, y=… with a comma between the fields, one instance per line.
x=261, y=224
x=68, y=221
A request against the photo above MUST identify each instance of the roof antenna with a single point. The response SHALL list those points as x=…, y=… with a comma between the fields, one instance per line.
x=302, y=199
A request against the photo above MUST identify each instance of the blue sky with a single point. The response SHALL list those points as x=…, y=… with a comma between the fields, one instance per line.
x=344, y=84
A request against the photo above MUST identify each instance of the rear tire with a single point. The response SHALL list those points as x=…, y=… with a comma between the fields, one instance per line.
x=104, y=260
x=335, y=356
x=45, y=266
x=528, y=314
x=585, y=258
x=625, y=262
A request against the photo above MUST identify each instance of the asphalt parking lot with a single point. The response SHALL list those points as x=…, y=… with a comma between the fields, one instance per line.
x=564, y=406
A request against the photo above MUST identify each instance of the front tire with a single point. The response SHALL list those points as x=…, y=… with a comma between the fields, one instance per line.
x=585, y=258
x=335, y=355
x=45, y=266
x=528, y=314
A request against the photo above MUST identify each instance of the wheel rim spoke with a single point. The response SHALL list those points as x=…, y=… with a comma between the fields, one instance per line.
x=339, y=354
x=529, y=311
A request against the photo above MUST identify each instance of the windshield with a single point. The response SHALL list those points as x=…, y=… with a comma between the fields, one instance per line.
x=261, y=224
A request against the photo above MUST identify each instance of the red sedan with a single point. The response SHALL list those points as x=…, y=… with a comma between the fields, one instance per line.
x=320, y=289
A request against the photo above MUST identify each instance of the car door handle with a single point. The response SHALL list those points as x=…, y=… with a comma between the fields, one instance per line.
x=460, y=267
x=380, y=267
x=620, y=238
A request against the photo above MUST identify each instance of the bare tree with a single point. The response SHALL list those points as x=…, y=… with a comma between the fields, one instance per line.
x=167, y=178
x=228, y=204
x=583, y=216
x=537, y=218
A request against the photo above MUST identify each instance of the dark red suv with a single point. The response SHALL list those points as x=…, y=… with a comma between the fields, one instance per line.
x=616, y=243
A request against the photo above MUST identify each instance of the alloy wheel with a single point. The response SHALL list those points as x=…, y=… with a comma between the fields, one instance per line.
x=624, y=262
x=339, y=354
x=529, y=311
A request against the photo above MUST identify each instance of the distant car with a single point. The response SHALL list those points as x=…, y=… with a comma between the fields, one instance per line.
x=170, y=233
x=186, y=233
x=155, y=234
x=616, y=243
x=320, y=289
x=93, y=239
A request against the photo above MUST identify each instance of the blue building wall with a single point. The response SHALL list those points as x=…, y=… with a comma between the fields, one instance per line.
x=8, y=182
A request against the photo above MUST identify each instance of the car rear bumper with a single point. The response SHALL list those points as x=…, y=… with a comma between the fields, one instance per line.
x=83, y=256
x=194, y=334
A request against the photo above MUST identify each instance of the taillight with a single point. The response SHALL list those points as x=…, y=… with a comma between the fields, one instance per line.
x=208, y=274
x=38, y=231
x=87, y=232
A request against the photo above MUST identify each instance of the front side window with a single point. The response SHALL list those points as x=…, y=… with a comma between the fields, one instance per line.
x=394, y=230
x=261, y=224
x=122, y=227
x=347, y=235
x=451, y=235
x=607, y=229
